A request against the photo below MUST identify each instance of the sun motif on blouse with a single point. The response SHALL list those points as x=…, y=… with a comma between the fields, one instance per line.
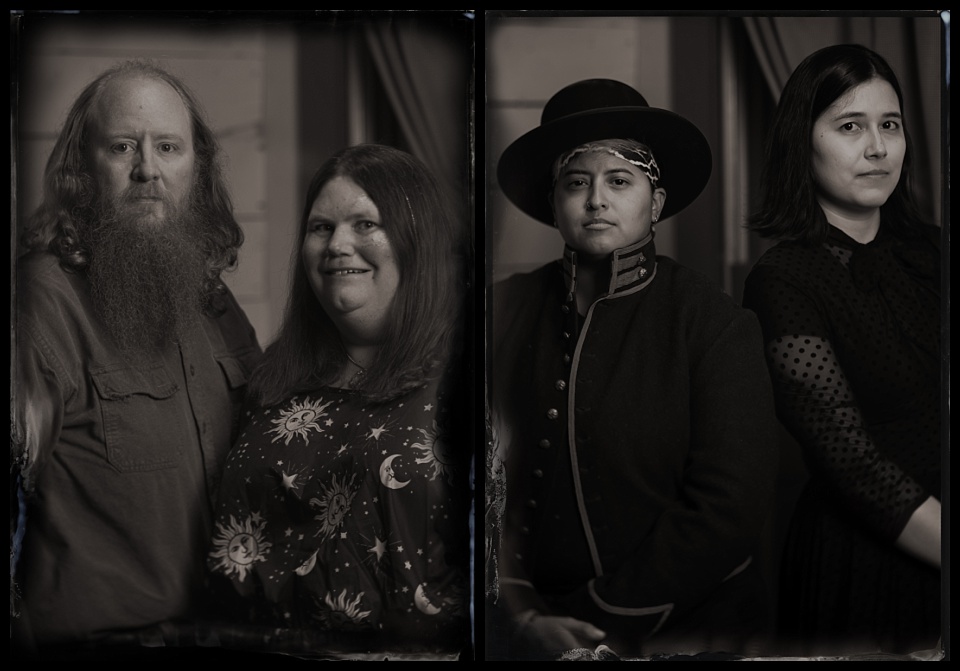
x=299, y=420
x=239, y=545
x=333, y=504
x=436, y=452
x=338, y=612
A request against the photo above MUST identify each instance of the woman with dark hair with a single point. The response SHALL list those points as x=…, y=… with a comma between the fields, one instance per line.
x=343, y=508
x=849, y=301
x=630, y=404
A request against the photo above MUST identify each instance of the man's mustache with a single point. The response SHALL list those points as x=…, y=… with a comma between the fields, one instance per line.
x=151, y=191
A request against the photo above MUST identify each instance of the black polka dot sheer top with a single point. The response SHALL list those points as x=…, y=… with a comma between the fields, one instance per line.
x=852, y=335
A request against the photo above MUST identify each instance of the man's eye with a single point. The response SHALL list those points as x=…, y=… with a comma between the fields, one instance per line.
x=121, y=147
x=167, y=148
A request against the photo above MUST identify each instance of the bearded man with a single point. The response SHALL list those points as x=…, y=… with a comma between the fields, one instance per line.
x=131, y=363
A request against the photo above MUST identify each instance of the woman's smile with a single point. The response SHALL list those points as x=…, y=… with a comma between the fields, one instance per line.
x=348, y=255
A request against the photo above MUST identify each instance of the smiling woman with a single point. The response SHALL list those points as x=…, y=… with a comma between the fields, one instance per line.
x=351, y=265
x=346, y=495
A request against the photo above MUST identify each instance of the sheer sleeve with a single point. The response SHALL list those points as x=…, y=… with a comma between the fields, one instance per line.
x=817, y=404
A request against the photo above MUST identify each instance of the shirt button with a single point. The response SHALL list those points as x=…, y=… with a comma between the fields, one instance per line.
x=531, y=503
x=566, y=358
x=552, y=413
x=566, y=335
x=525, y=531
x=560, y=385
x=544, y=444
x=537, y=473
x=565, y=309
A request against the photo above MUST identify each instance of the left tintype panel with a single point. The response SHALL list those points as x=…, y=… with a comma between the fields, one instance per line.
x=241, y=351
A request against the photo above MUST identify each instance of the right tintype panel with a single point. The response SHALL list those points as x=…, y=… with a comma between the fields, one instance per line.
x=716, y=292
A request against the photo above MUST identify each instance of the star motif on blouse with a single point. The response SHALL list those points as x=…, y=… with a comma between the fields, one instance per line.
x=407, y=565
x=420, y=551
x=405, y=589
x=400, y=549
x=428, y=407
x=343, y=534
x=289, y=481
x=375, y=433
x=287, y=532
x=248, y=479
x=329, y=422
x=379, y=548
x=300, y=537
x=343, y=448
x=256, y=518
x=279, y=463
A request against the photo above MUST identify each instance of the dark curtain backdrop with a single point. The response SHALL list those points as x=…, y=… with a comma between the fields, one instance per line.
x=426, y=71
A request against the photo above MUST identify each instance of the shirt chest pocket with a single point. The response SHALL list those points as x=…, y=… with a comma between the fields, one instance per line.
x=146, y=424
x=236, y=372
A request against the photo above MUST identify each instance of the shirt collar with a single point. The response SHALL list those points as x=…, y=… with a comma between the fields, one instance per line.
x=630, y=267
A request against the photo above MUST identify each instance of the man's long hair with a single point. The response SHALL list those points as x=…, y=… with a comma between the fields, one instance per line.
x=63, y=219
x=789, y=208
x=424, y=318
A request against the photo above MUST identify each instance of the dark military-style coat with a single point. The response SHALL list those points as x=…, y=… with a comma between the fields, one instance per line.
x=640, y=451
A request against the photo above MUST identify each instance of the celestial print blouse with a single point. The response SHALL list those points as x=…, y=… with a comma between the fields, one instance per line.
x=339, y=515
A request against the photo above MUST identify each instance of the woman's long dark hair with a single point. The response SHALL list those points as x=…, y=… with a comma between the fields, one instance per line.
x=789, y=209
x=60, y=223
x=422, y=326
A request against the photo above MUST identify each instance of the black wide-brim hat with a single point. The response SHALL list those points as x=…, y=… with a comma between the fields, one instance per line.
x=601, y=109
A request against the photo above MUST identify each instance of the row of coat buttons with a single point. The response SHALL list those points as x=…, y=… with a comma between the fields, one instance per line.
x=552, y=414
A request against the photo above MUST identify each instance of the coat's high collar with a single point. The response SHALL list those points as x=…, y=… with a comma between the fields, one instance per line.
x=630, y=267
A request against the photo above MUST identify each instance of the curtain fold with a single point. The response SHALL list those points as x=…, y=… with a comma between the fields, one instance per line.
x=423, y=74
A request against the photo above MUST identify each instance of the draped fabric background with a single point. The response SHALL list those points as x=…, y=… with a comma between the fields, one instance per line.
x=910, y=44
x=423, y=71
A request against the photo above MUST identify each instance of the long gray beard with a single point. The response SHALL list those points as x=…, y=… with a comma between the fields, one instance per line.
x=146, y=278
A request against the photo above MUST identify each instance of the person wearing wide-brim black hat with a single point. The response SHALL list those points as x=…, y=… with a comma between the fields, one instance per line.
x=630, y=402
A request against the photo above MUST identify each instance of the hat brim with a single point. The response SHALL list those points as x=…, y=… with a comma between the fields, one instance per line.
x=680, y=149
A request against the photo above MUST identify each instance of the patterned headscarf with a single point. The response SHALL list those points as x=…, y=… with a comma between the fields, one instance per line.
x=631, y=151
